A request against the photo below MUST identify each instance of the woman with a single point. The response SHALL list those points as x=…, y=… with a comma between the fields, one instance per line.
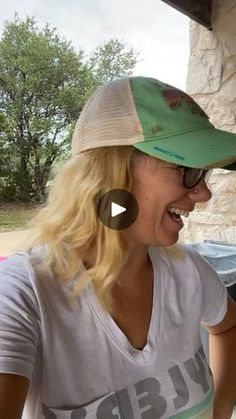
x=101, y=321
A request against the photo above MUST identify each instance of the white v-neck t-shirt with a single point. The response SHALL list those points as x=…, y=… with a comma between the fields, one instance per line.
x=82, y=366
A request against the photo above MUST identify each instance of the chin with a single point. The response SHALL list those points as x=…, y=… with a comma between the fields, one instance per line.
x=167, y=241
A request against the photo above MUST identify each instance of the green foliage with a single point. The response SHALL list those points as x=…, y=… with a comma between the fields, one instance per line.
x=8, y=190
x=112, y=60
x=44, y=84
x=43, y=88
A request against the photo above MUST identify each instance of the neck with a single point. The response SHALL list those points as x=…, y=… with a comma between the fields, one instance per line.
x=136, y=266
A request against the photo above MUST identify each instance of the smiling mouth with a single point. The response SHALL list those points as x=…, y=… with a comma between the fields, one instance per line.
x=176, y=213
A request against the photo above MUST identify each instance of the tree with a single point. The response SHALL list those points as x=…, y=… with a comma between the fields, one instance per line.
x=41, y=79
x=4, y=163
x=112, y=60
x=44, y=84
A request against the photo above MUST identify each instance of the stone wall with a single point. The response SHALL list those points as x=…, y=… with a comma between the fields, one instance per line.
x=211, y=82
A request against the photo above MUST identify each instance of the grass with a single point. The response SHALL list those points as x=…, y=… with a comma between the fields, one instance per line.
x=16, y=216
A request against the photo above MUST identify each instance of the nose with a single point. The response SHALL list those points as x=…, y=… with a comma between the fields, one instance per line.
x=200, y=193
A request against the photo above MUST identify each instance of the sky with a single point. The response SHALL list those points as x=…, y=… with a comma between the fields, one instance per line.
x=159, y=33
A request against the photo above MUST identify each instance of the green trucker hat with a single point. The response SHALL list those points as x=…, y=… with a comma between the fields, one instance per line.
x=157, y=119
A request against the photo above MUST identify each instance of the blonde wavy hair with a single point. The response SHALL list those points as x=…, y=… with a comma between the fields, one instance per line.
x=69, y=226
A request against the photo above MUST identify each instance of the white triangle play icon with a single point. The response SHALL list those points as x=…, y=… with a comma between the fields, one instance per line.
x=116, y=209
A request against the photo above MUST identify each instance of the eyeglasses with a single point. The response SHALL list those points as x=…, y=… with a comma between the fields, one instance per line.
x=193, y=176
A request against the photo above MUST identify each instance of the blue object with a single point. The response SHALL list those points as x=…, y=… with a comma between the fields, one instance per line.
x=222, y=257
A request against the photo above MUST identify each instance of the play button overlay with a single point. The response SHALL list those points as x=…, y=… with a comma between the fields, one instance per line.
x=117, y=209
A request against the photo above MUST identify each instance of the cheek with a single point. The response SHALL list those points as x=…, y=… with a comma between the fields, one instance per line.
x=151, y=209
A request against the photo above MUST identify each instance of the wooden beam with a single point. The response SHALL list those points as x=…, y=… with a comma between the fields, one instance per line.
x=198, y=10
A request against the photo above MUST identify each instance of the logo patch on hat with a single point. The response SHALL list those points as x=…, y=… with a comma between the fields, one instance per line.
x=156, y=129
x=175, y=97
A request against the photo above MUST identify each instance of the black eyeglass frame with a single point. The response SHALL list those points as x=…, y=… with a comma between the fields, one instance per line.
x=197, y=174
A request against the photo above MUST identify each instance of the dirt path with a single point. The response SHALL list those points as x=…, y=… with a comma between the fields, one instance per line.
x=12, y=241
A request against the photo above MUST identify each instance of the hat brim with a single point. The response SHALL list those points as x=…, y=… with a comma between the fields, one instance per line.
x=230, y=166
x=204, y=148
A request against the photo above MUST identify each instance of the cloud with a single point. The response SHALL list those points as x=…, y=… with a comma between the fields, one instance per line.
x=156, y=30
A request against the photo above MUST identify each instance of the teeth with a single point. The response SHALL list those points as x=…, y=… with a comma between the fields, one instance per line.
x=178, y=211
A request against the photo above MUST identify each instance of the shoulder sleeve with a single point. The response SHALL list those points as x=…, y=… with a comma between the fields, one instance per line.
x=214, y=293
x=19, y=319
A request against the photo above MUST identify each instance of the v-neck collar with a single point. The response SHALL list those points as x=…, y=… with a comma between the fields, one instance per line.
x=116, y=335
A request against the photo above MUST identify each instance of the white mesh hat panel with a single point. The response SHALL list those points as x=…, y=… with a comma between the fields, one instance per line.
x=108, y=118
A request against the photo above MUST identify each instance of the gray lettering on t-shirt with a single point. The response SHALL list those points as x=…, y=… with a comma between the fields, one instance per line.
x=203, y=355
x=149, y=390
x=109, y=408
x=180, y=386
x=79, y=413
x=125, y=404
x=202, y=352
x=152, y=404
x=48, y=414
x=197, y=373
